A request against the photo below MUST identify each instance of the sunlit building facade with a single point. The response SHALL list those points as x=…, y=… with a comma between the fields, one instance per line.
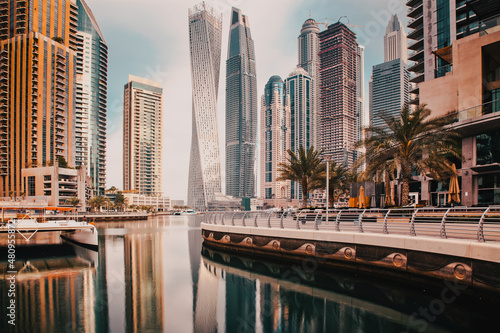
x=142, y=136
x=37, y=87
x=205, y=36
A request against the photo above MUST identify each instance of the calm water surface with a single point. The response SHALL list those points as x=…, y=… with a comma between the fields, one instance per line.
x=155, y=276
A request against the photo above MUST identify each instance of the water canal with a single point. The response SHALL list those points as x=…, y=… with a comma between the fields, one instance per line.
x=155, y=276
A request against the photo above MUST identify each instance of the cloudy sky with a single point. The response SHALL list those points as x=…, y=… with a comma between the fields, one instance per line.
x=149, y=38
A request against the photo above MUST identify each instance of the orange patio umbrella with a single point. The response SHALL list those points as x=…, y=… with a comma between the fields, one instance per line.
x=361, y=198
x=454, y=191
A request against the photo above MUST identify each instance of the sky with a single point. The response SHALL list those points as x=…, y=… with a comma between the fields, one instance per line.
x=150, y=39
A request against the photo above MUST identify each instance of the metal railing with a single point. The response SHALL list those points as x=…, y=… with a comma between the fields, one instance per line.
x=472, y=223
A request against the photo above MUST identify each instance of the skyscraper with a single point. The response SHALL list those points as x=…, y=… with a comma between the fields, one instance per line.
x=275, y=138
x=309, y=60
x=339, y=108
x=390, y=79
x=37, y=87
x=205, y=28
x=241, y=109
x=142, y=136
x=363, y=118
x=395, y=42
x=91, y=93
x=299, y=87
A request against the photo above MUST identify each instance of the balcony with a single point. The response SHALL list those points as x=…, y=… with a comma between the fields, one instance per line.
x=413, y=3
x=417, y=78
x=417, y=55
x=417, y=21
x=414, y=12
x=417, y=67
x=416, y=34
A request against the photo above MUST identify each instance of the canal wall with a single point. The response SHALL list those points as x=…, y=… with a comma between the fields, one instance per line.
x=466, y=262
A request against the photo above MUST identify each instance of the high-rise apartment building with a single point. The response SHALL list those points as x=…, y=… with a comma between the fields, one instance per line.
x=395, y=41
x=339, y=124
x=434, y=25
x=389, y=90
x=241, y=109
x=142, y=136
x=91, y=97
x=275, y=138
x=37, y=87
x=299, y=87
x=205, y=33
x=389, y=87
x=362, y=117
x=455, y=52
x=308, y=42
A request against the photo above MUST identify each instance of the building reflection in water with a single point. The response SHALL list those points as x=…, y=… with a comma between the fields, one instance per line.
x=268, y=297
x=144, y=282
x=54, y=294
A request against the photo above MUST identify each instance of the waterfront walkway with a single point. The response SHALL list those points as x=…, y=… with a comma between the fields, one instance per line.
x=456, y=244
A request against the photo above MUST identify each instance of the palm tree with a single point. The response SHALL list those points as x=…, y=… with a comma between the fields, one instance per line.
x=410, y=142
x=97, y=202
x=73, y=201
x=340, y=181
x=120, y=200
x=306, y=169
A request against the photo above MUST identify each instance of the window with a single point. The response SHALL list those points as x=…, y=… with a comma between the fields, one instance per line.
x=488, y=148
x=31, y=186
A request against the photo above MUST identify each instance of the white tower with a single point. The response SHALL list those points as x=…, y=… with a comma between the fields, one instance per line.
x=205, y=36
x=395, y=42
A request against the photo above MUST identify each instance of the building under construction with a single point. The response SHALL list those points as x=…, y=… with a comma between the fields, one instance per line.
x=338, y=122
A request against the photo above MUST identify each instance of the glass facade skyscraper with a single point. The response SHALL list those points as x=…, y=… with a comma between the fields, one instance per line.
x=205, y=36
x=91, y=97
x=241, y=109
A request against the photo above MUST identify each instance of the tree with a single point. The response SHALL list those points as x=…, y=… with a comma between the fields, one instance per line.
x=307, y=169
x=410, y=142
x=120, y=200
x=58, y=39
x=61, y=162
x=340, y=181
x=73, y=201
x=97, y=202
x=112, y=189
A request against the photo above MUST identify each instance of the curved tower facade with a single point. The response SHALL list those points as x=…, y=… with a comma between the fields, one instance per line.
x=309, y=60
x=91, y=97
x=205, y=28
x=275, y=138
x=241, y=109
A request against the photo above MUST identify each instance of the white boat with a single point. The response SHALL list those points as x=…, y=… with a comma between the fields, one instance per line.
x=81, y=233
x=189, y=212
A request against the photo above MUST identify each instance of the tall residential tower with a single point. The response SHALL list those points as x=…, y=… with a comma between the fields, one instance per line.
x=142, y=136
x=275, y=139
x=205, y=32
x=241, y=109
x=395, y=42
x=308, y=42
x=339, y=124
x=37, y=87
x=91, y=97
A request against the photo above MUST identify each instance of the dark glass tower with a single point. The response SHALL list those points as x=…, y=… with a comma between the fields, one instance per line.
x=241, y=109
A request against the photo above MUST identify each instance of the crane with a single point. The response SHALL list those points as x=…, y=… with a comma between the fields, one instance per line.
x=348, y=24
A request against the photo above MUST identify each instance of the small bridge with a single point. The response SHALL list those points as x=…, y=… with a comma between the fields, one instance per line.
x=460, y=244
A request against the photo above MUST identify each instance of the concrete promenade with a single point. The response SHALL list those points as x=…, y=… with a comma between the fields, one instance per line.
x=459, y=245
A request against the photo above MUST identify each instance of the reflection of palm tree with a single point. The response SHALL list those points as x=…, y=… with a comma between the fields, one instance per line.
x=410, y=142
x=307, y=169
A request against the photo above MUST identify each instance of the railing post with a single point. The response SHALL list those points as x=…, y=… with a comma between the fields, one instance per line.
x=412, y=223
x=480, y=227
x=337, y=221
x=386, y=230
x=243, y=220
x=269, y=220
x=223, y=214
x=360, y=221
x=316, y=221
x=255, y=221
x=443, y=225
x=232, y=219
x=298, y=221
x=281, y=221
